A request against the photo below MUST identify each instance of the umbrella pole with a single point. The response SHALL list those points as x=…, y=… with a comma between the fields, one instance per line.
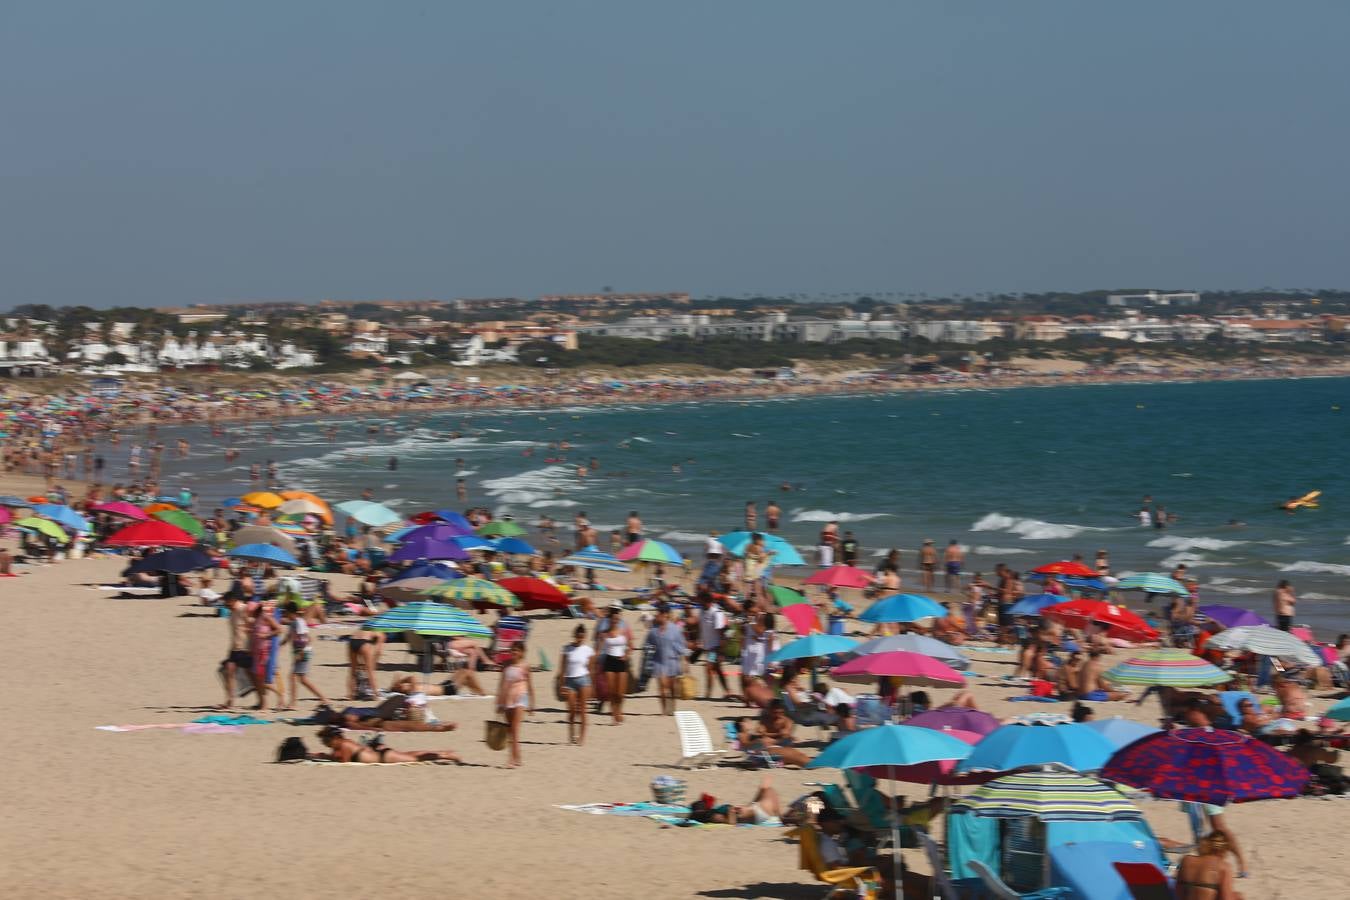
x=897, y=864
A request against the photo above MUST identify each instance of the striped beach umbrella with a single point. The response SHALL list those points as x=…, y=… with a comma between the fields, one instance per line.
x=1169, y=667
x=1266, y=641
x=429, y=619
x=1152, y=583
x=1050, y=797
x=650, y=551
x=465, y=591
x=591, y=557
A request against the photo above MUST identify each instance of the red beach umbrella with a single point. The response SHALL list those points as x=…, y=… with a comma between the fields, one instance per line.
x=1205, y=765
x=840, y=576
x=1066, y=567
x=151, y=533
x=1120, y=622
x=803, y=616
x=535, y=593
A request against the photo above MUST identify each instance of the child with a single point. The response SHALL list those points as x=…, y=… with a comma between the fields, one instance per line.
x=297, y=635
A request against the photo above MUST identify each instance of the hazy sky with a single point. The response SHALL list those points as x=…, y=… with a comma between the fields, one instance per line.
x=175, y=152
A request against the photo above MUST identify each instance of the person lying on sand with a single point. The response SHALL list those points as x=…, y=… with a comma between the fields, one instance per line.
x=344, y=749
x=390, y=715
x=455, y=685
x=762, y=809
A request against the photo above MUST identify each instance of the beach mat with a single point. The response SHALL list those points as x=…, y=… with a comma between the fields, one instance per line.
x=329, y=762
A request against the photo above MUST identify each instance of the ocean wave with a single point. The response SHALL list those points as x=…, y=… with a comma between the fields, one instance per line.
x=1234, y=589
x=1316, y=568
x=1030, y=529
x=684, y=537
x=1314, y=595
x=1191, y=560
x=540, y=504
x=985, y=550
x=531, y=486
x=824, y=515
x=1176, y=542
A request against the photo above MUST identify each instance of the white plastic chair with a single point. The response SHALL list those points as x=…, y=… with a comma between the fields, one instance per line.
x=696, y=749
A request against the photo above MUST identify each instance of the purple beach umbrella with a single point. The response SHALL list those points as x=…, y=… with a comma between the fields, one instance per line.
x=1230, y=616
x=427, y=548
x=955, y=718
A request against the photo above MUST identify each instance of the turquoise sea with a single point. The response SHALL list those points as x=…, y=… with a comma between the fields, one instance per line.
x=1021, y=476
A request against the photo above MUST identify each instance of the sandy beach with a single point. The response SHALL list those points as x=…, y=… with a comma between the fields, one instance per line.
x=164, y=813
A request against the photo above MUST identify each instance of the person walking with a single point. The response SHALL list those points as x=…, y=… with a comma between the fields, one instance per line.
x=575, y=675
x=1284, y=601
x=515, y=698
x=616, y=643
x=666, y=644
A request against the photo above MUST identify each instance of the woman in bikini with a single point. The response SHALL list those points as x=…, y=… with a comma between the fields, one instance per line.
x=343, y=749
x=515, y=698
x=363, y=653
x=1207, y=874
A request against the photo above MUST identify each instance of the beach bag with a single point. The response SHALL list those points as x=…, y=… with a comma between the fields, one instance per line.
x=685, y=687
x=668, y=790
x=497, y=733
x=731, y=642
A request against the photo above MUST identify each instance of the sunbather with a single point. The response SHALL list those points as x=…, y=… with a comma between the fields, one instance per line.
x=455, y=685
x=390, y=715
x=344, y=749
x=761, y=810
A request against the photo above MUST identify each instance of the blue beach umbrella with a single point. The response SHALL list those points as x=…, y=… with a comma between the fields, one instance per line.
x=62, y=515
x=11, y=500
x=1076, y=582
x=368, y=513
x=512, y=545
x=1032, y=604
x=455, y=520
x=426, y=570
x=1120, y=732
x=264, y=553
x=903, y=608
x=471, y=542
x=175, y=562
x=1341, y=711
x=1018, y=746
x=784, y=554
x=813, y=645
x=915, y=643
x=591, y=557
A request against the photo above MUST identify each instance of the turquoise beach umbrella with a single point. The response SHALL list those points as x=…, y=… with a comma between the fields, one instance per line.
x=1152, y=583
x=784, y=554
x=903, y=608
x=813, y=645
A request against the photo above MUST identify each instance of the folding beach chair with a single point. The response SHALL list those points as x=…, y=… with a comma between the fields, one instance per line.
x=696, y=749
x=861, y=880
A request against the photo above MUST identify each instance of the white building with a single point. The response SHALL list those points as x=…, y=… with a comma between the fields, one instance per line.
x=1154, y=298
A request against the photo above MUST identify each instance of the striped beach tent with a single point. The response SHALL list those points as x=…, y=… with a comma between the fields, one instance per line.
x=1170, y=667
x=1050, y=797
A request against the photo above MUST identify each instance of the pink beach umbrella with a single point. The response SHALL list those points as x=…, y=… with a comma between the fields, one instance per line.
x=5, y=515
x=123, y=509
x=916, y=669
x=840, y=576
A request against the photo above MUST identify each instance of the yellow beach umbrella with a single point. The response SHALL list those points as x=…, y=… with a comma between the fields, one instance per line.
x=263, y=499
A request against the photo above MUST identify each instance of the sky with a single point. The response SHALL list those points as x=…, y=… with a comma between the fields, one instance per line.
x=170, y=153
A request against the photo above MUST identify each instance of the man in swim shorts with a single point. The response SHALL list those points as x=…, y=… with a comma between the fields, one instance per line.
x=928, y=563
x=952, y=557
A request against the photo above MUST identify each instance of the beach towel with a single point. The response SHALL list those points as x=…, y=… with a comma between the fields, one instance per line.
x=227, y=719
x=666, y=814
x=329, y=762
x=185, y=727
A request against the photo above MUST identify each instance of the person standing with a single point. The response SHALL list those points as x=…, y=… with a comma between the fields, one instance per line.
x=756, y=562
x=634, y=525
x=751, y=516
x=712, y=625
x=515, y=698
x=574, y=683
x=928, y=564
x=616, y=643
x=848, y=549
x=297, y=635
x=1284, y=601
x=952, y=559
x=237, y=658
x=667, y=647
x=755, y=651
x=772, y=513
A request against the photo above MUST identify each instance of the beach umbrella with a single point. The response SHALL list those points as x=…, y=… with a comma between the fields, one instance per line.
x=317, y=505
x=264, y=553
x=500, y=528
x=1206, y=765
x=1018, y=746
x=1266, y=641
x=262, y=534
x=471, y=542
x=436, y=570
x=153, y=508
x=916, y=669
x=1120, y=622
x=429, y=620
x=263, y=499
x=121, y=509
x=11, y=500
x=151, y=533
x=783, y=553
x=536, y=593
x=426, y=548
x=410, y=590
x=1230, y=616
x=840, y=576
x=1169, y=667
x=1098, y=585
x=1066, y=567
x=1050, y=796
x=5, y=515
x=1032, y=604
x=651, y=551
x=470, y=590
x=1152, y=583
x=903, y=608
x=293, y=526
x=591, y=557
x=513, y=546
x=44, y=526
x=377, y=515
x=785, y=596
x=813, y=645
x=303, y=507
x=956, y=718
x=1341, y=711
x=438, y=531
x=455, y=520
x=915, y=643
x=1119, y=732
x=885, y=749
x=175, y=562
x=183, y=520
x=803, y=616
x=62, y=515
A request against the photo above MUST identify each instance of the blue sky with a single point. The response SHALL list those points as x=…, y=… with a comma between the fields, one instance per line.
x=165, y=153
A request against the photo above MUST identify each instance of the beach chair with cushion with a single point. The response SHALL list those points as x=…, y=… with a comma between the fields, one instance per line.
x=862, y=881
x=994, y=886
x=1145, y=881
x=696, y=747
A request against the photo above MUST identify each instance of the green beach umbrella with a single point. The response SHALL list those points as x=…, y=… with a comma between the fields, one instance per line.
x=785, y=596
x=430, y=620
x=185, y=521
x=44, y=526
x=472, y=590
x=503, y=528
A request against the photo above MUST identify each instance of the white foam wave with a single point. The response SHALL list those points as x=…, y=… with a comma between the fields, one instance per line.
x=1030, y=529
x=985, y=550
x=525, y=488
x=824, y=515
x=1316, y=568
x=1314, y=595
x=1191, y=560
x=540, y=504
x=1176, y=542
x=1235, y=589
x=684, y=537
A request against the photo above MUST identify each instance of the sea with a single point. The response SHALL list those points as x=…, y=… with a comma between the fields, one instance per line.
x=1021, y=476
